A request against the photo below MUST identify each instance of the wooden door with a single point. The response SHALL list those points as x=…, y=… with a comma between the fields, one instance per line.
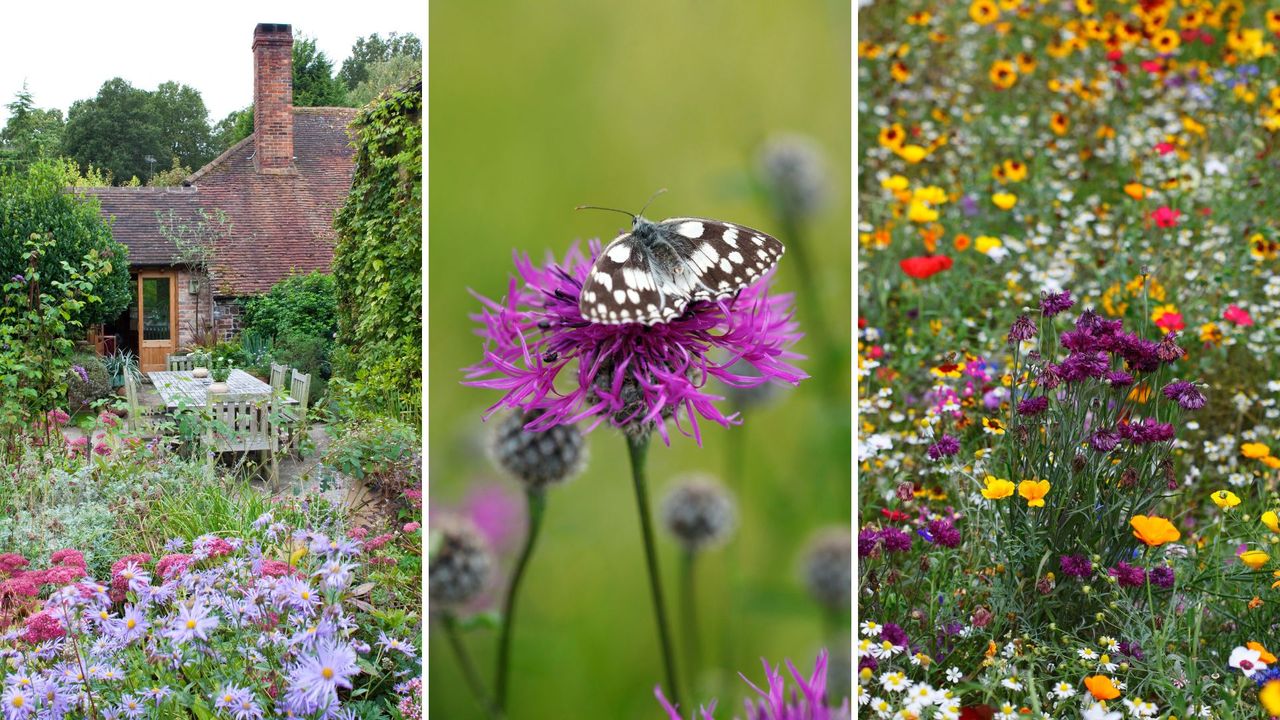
x=157, y=319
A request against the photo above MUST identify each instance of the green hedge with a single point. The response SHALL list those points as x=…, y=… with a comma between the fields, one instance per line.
x=378, y=259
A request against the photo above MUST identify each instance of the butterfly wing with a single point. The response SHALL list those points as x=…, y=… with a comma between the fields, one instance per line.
x=718, y=259
x=624, y=287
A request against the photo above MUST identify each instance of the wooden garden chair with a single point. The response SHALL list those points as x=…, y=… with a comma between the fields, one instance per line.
x=143, y=419
x=243, y=424
x=278, y=373
x=179, y=362
x=296, y=415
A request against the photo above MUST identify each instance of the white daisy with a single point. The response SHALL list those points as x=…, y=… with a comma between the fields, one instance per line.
x=922, y=694
x=954, y=675
x=1109, y=643
x=871, y=629
x=881, y=707
x=1064, y=690
x=1011, y=683
x=1097, y=711
x=1087, y=654
x=1007, y=712
x=894, y=681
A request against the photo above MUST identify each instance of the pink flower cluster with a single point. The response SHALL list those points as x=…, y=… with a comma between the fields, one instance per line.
x=19, y=587
x=119, y=583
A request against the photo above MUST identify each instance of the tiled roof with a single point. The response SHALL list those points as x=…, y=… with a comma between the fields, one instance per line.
x=280, y=223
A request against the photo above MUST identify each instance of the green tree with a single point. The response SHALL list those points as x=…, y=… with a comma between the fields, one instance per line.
x=123, y=126
x=236, y=126
x=172, y=177
x=385, y=75
x=314, y=84
x=31, y=132
x=373, y=50
x=36, y=203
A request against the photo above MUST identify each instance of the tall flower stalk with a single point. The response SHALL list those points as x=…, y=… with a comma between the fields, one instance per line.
x=637, y=447
x=537, y=506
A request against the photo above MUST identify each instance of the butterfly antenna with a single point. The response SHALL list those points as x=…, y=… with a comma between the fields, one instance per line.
x=650, y=200
x=597, y=207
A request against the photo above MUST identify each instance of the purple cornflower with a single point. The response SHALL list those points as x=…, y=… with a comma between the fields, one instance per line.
x=1081, y=365
x=776, y=703
x=1077, y=566
x=944, y=533
x=1104, y=440
x=1132, y=649
x=895, y=634
x=632, y=375
x=314, y=682
x=1022, y=329
x=1054, y=303
x=945, y=447
x=1146, y=431
x=1033, y=406
x=1161, y=576
x=1186, y=394
x=1128, y=575
x=1118, y=378
x=868, y=540
x=895, y=540
x=191, y=622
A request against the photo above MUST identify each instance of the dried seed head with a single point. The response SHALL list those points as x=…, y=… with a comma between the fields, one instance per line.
x=698, y=512
x=460, y=563
x=541, y=458
x=828, y=568
x=795, y=175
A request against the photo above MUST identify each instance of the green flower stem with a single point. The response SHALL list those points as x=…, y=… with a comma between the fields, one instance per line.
x=537, y=506
x=638, y=447
x=468, y=668
x=689, y=616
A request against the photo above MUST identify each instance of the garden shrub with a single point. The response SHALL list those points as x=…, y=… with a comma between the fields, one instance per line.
x=383, y=452
x=298, y=305
x=83, y=390
x=378, y=258
x=308, y=354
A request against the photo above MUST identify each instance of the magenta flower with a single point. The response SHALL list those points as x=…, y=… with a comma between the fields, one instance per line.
x=775, y=703
x=631, y=376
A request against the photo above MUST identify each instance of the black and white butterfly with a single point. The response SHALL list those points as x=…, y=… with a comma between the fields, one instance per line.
x=653, y=273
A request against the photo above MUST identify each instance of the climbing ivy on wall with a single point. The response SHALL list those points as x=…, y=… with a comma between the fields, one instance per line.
x=377, y=263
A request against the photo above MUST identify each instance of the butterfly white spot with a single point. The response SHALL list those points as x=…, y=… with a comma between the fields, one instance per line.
x=620, y=253
x=735, y=257
x=731, y=235
x=605, y=279
x=725, y=266
x=757, y=240
x=710, y=251
x=619, y=295
x=634, y=297
x=692, y=229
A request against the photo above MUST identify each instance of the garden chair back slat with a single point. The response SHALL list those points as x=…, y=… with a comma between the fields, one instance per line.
x=175, y=363
x=300, y=390
x=278, y=373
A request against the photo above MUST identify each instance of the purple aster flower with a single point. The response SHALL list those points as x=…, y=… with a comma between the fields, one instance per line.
x=632, y=376
x=1128, y=575
x=945, y=447
x=18, y=702
x=335, y=574
x=1022, y=329
x=191, y=622
x=1077, y=566
x=1161, y=576
x=1033, y=406
x=131, y=626
x=131, y=707
x=314, y=682
x=157, y=694
x=776, y=703
x=895, y=540
x=1186, y=394
x=1054, y=303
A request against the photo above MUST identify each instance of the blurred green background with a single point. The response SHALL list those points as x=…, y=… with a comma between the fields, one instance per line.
x=536, y=107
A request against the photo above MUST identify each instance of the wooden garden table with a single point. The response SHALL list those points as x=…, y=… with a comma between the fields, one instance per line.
x=182, y=386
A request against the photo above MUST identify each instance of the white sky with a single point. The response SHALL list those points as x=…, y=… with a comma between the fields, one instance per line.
x=66, y=50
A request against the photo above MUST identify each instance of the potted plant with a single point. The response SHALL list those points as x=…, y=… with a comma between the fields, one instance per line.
x=118, y=364
x=220, y=370
x=200, y=364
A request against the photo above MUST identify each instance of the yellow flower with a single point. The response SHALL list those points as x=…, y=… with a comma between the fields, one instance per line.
x=1255, y=559
x=1101, y=687
x=931, y=194
x=1154, y=530
x=1269, y=696
x=1034, y=491
x=1226, y=499
x=912, y=153
x=1059, y=124
x=1003, y=75
x=895, y=183
x=997, y=488
x=899, y=71
x=1136, y=190
x=984, y=12
x=986, y=243
x=921, y=213
x=992, y=426
x=1271, y=520
x=1253, y=451
x=1004, y=201
x=893, y=136
x=1015, y=170
x=1166, y=41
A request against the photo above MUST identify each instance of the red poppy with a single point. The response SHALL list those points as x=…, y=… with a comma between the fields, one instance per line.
x=1171, y=322
x=1164, y=148
x=977, y=712
x=1166, y=217
x=1152, y=66
x=922, y=266
x=895, y=515
x=1238, y=315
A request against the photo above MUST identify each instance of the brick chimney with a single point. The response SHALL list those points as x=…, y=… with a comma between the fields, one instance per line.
x=273, y=98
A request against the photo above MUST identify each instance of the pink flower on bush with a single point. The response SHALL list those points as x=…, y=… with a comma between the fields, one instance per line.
x=171, y=565
x=1166, y=217
x=277, y=568
x=358, y=533
x=378, y=542
x=108, y=418
x=58, y=416
x=9, y=562
x=42, y=626
x=1237, y=315
x=120, y=583
x=411, y=527
x=69, y=558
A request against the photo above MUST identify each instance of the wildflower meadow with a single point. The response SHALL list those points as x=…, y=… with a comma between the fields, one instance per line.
x=1067, y=386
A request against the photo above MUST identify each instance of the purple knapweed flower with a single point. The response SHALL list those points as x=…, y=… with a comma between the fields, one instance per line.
x=944, y=533
x=1077, y=566
x=945, y=447
x=1161, y=576
x=776, y=703
x=1022, y=329
x=1054, y=303
x=895, y=540
x=1128, y=575
x=632, y=376
x=1033, y=406
x=1186, y=394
